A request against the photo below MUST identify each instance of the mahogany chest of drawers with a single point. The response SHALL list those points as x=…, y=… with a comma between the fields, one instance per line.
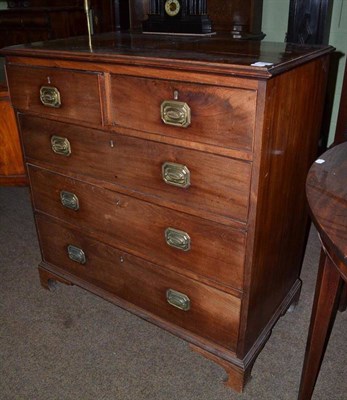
x=167, y=176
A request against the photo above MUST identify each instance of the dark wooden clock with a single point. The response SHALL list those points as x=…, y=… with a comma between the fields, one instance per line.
x=178, y=16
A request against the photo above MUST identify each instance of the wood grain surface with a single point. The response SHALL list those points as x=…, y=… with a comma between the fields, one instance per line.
x=252, y=138
x=79, y=92
x=220, y=116
x=219, y=186
x=213, y=314
x=216, y=54
x=289, y=145
x=327, y=197
x=216, y=254
x=12, y=170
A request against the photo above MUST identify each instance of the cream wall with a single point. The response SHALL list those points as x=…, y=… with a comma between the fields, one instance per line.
x=338, y=39
x=275, y=20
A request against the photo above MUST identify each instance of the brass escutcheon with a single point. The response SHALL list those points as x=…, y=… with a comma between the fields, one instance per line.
x=50, y=96
x=177, y=239
x=61, y=145
x=175, y=113
x=176, y=174
x=178, y=300
x=76, y=254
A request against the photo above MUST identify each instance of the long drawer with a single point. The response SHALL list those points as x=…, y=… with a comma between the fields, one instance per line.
x=193, y=246
x=209, y=114
x=191, y=305
x=55, y=92
x=192, y=181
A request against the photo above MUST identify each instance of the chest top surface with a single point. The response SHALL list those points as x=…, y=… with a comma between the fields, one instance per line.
x=219, y=52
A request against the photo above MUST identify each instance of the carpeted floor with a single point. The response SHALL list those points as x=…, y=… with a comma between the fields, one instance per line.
x=71, y=345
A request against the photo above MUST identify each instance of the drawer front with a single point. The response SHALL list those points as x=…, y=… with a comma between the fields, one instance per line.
x=192, y=246
x=55, y=92
x=217, y=185
x=208, y=114
x=211, y=314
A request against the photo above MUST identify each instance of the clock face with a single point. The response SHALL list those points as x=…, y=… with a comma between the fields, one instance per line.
x=172, y=7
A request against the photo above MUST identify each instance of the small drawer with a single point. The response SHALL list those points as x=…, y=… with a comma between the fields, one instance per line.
x=208, y=114
x=202, y=184
x=191, y=305
x=55, y=92
x=193, y=246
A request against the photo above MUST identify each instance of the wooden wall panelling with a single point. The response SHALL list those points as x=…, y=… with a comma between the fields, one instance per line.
x=45, y=20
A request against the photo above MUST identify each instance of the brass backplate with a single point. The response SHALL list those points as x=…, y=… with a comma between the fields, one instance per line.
x=60, y=145
x=175, y=113
x=178, y=299
x=69, y=200
x=177, y=239
x=50, y=96
x=176, y=174
x=76, y=254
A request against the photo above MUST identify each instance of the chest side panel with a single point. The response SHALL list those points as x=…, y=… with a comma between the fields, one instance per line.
x=290, y=134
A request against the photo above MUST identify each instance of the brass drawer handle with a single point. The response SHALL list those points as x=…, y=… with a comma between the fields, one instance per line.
x=175, y=113
x=178, y=300
x=176, y=174
x=69, y=200
x=76, y=254
x=177, y=239
x=50, y=96
x=60, y=145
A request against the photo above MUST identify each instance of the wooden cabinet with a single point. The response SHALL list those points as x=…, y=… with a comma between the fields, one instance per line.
x=36, y=20
x=30, y=21
x=168, y=176
x=12, y=170
x=31, y=25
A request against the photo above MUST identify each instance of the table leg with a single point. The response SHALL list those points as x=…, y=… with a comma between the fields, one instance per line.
x=322, y=319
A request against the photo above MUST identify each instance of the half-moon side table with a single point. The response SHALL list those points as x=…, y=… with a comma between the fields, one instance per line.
x=326, y=189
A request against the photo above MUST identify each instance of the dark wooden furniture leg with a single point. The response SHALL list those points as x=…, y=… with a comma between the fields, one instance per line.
x=323, y=314
x=236, y=377
x=49, y=280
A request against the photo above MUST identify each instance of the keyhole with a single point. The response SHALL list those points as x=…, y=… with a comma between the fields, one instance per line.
x=48, y=80
x=175, y=94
